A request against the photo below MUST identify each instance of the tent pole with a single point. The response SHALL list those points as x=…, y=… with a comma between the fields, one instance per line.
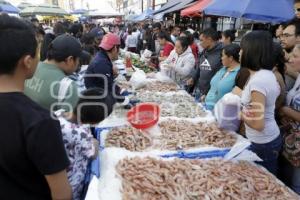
x=203, y=19
x=153, y=4
x=234, y=23
x=222, y=23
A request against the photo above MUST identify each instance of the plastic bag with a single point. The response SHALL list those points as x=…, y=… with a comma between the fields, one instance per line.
x=163, y=78
x=145, y=57
x=165, y=69
x=138, y=79
x=227, y=111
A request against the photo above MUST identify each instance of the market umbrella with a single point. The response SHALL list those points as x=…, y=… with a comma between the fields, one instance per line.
x=43, y=9
x=8, y=8
x=195, y=9
x=145, y=15
x=275, y=11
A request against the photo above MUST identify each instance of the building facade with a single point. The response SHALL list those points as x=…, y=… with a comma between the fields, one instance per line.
x=137, y=6
x=67, y=5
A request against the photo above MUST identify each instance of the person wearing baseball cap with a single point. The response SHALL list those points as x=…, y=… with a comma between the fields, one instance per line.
x=50, y=87
x=100, y=71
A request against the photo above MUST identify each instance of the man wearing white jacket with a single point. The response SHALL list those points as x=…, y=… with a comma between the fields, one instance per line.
x=180, y=62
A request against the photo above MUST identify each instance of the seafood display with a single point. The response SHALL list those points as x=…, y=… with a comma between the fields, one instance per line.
x=182, y=110
x=128, y=138
x=119, y=112
x=177, y=134
x=184, y=135
x=174, y=135
x=163, y=98
x=157, y=86
x=153, y=179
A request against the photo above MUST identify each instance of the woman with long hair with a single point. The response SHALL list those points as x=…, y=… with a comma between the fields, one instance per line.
x=259, y=97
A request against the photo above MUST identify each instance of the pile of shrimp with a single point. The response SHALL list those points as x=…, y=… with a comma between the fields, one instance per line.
x=153, y=179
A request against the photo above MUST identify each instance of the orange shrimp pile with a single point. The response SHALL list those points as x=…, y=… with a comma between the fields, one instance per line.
x=152, y=179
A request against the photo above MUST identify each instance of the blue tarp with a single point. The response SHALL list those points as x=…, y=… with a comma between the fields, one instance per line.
x=8, y=8
x=147, y=14
x=270, y=11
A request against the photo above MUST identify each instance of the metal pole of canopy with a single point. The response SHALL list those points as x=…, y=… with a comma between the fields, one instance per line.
x=153, y=4
x=234, y=23
x=222, y=23
x=203, y=20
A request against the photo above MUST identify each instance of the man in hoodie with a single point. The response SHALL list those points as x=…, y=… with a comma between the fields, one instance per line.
x=208, y=64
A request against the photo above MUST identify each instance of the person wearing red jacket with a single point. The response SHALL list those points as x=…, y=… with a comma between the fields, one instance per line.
x=166, y=44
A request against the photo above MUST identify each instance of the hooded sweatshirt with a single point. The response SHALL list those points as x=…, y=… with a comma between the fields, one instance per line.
x=182, y=65
x=209, y=63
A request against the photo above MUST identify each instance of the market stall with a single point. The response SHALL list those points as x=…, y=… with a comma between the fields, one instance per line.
x=43, y=10
x=183, y=155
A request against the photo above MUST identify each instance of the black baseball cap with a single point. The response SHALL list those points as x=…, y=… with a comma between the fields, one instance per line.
x=66, y=45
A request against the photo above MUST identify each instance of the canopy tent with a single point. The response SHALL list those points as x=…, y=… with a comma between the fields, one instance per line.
x=171, y=6
x=49, y=18
x=43, y=9
x=102, y=14
x=168, y=5
x=102, y=10
x=183, y=4
x=195, y=9
x=24, y=5
x=130, y=17
x=147, y=14
x=275, y=11
x=79, y=12
x=8, y=8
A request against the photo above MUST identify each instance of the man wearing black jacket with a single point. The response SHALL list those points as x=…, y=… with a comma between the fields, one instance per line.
x=100, y=72
x=209, y=63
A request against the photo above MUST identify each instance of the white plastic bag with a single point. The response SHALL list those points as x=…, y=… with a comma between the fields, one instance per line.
x=145, y=57
x=227, y=111
x=163, y=78
x=138, y=79
x=165, y=69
